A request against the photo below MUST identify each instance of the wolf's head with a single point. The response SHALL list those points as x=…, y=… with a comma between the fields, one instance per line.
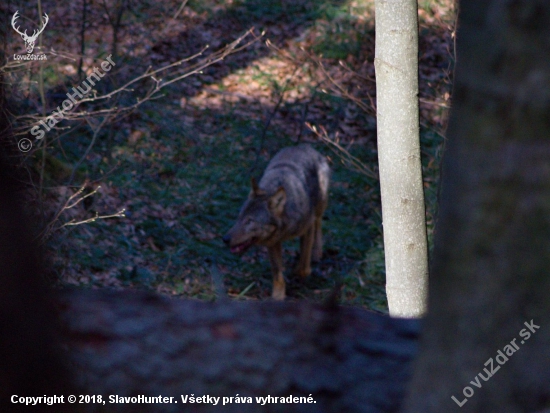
x=258, y=221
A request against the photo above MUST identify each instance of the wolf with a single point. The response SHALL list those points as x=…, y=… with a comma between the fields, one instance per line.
x=288, y=202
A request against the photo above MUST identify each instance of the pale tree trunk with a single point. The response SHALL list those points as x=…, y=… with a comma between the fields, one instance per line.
x=491, y=270
x=403, y=210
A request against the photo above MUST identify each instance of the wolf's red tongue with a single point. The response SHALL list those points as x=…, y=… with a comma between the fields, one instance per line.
x=237, y=249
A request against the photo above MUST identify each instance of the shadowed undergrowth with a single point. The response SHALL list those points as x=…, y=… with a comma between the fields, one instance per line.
x=181, y=164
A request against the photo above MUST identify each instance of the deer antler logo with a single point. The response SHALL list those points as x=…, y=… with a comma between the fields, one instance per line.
x=29, y=40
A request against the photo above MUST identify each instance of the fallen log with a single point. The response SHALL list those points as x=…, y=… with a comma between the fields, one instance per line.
x=337, y=359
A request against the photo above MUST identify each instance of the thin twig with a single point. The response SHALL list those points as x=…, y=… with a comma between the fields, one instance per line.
x=43, y=101
x=89, y=148
x=183, y=3
x=48, y=229
x=71, y=202
x=72, y=222
x=82, y=38
x=346, y=157
x=270, y=118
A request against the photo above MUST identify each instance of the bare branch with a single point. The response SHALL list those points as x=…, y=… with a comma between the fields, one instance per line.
x=97, y=216
x=161, y=78
x=183, y=3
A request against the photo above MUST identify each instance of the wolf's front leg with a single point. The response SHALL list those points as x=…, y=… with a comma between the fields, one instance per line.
x=276, y=259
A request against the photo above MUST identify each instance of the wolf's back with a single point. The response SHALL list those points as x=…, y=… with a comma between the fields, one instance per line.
x=305, y=174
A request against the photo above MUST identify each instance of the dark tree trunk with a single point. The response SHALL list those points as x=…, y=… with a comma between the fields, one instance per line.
x=30, y=361
x=491, y=267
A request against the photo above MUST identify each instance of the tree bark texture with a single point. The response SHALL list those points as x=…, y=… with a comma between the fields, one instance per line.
x=402, y=191
x=491, y=264
x=128, y=344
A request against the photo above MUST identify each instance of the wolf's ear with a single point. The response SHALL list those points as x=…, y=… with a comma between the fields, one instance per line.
x=277, y=202
x=256, y=191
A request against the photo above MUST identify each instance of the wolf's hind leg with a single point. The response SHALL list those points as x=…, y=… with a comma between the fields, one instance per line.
x=306, y=244
x=276, y=260
x=317, y=252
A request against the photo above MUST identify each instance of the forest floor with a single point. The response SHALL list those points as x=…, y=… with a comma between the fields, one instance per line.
x=180, y=163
